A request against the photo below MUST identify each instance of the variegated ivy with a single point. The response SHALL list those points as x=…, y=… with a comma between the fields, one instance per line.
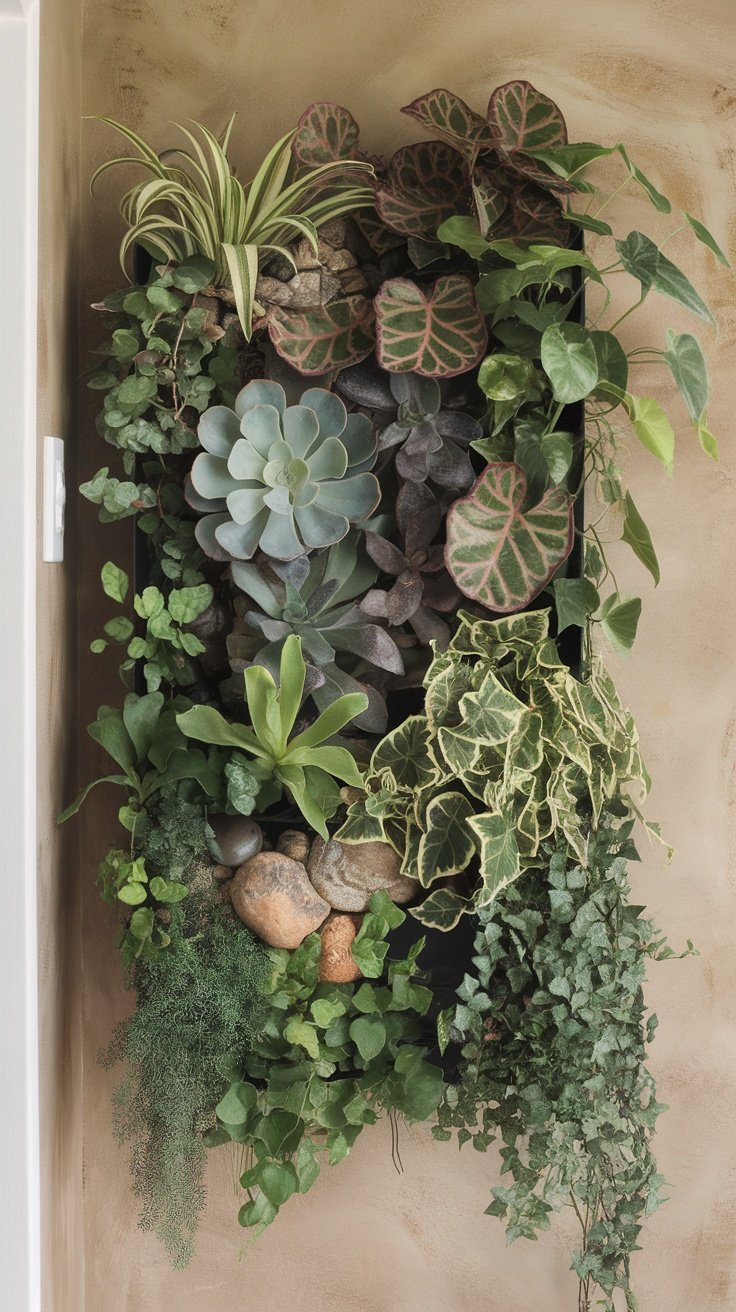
x=511, y=751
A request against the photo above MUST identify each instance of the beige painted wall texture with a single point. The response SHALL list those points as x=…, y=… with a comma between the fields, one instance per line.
x=663, y=77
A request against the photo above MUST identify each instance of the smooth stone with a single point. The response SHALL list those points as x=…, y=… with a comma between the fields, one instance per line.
x=295, y=844
x=272, y=896
x=347, y=874
x=237, y=839
x=337, y=964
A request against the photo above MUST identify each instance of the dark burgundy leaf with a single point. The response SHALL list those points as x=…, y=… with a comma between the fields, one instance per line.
x=451, y=467
x=429, y=627
x=325, y=132
x=371, y=642
x=366, y=384
x=416, y=501
x=524, y=118
x=427, y=183
x=422, y=438
x=414, y=468
x=384, y=554
x=443, y=112
x=404, y=597
x=459, y=427
x=440, y=592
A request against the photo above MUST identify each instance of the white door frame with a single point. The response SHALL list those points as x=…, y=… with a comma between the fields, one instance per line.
x=19, y=1118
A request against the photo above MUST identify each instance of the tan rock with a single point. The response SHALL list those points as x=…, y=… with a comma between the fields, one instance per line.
x=337, y=964
x=221, y=873
x=353, y=282
x=273, y=896
x=295, y=844
x=347, y=874
x=335, y=232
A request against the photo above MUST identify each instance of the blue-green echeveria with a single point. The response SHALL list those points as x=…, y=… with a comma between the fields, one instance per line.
x=283, y=478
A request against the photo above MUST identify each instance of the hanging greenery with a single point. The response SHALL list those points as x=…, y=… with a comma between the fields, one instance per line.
x=366, y=414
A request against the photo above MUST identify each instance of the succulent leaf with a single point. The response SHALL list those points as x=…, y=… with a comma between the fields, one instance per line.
x=287, y=478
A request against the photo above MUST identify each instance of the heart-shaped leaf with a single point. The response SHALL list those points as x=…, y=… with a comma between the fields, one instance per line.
x=443, y=112
x=645, y=262
x=438, y=333
x=619, y=621
x=325, y=132
x=685, y=359
x=499, y=554
x=569, y=361
x=326, y=339
x=575, y=600
x=525, y=119
x=427, y=183
x=652, y=427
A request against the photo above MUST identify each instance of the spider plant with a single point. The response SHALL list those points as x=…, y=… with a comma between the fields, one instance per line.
x=194, y=204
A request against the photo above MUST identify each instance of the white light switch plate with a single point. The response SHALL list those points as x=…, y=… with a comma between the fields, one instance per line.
x=54, y=498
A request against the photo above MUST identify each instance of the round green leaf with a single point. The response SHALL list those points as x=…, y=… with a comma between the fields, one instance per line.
x=114, y=581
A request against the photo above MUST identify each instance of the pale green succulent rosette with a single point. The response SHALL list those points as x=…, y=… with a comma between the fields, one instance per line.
x=283, y=479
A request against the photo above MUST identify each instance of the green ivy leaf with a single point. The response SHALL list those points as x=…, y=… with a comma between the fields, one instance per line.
x=302, y=1034
x=278, y=1181
x=499, y=855
x=237, y=1104
x=325, y=1010
x=368, y=1033
x=575, y=601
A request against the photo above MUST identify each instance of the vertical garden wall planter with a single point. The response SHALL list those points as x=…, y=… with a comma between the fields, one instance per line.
x=378, y=792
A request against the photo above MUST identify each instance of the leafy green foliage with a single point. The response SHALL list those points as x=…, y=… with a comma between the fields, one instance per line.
x=554, y=1031
x=192, y=204
x=308, y=764
x=511, y=753
x=151, y=751
x=286, y=478
x=199, y=1009
x=331, y=1059
x=168, y=644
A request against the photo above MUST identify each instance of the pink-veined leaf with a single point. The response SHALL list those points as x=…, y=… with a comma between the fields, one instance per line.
x=443, y=112
x=322, y=340
x=427, y=183
x=499, y=554
x=325, y=132
x=489, y=201
x=437, y=334
x=525, y=119
x=534, y=216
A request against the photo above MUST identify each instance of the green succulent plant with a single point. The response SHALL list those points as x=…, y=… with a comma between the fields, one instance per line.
x=316, y=597
x=308, y=764
x=287, y=479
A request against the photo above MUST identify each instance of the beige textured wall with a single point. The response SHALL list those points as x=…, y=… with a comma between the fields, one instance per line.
x=661, y=75
x=58, y=857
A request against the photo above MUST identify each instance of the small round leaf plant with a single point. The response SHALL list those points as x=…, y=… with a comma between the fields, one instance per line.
x=378, y=792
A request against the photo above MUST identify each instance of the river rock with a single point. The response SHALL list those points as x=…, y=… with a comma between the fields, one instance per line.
x=337, y=964
x=236, y=839
x=272, y=896
x=295, y=844
x=347, y=874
